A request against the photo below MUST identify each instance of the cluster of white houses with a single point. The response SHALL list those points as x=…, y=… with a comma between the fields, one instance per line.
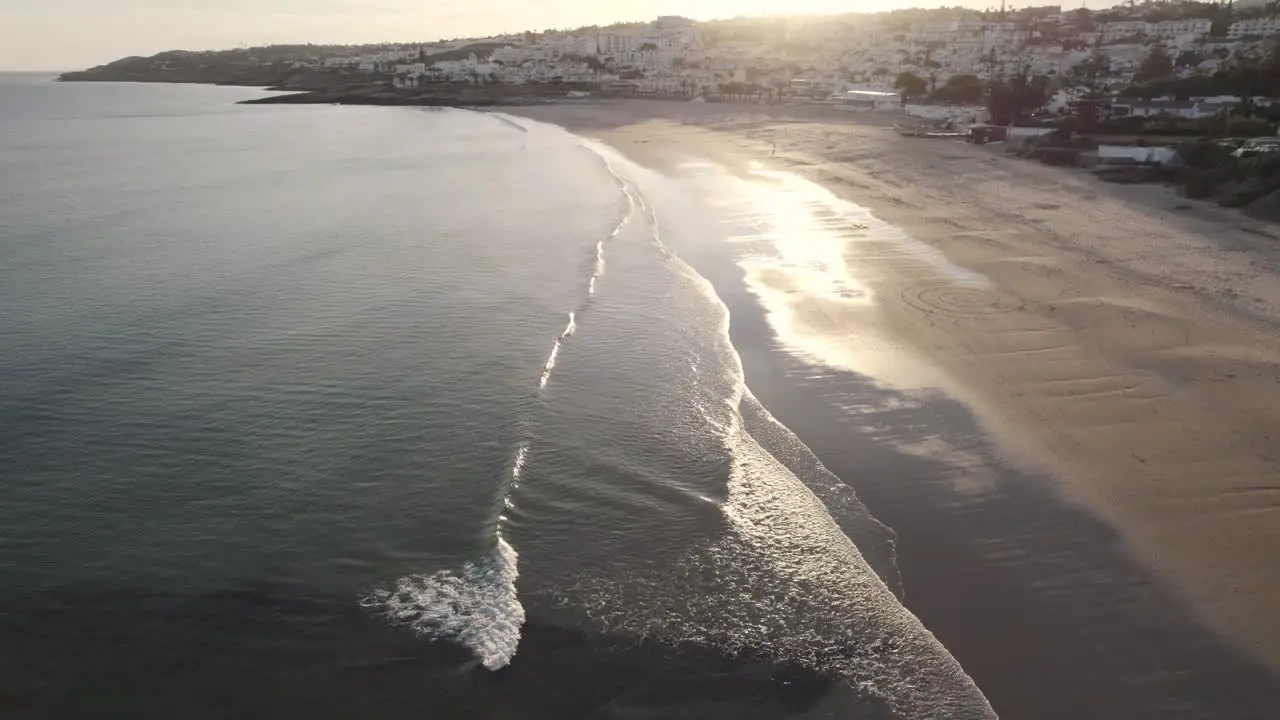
x=827, y=55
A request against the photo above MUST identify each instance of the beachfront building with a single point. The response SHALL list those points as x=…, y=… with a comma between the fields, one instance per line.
x=471, y=69
x=1154, y=108
x=1193, y=109
x=867, y=100
x=560, y=71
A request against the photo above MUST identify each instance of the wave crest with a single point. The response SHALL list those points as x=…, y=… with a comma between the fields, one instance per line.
x=476, y=607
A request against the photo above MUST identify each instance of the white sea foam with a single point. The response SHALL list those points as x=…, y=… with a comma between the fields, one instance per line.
x=517, y=467
x=517, y=470
x=550, y=366
x=476, y=607
x=547, y=369
x=785, y=580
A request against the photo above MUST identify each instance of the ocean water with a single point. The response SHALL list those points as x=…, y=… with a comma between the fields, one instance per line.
x=387, y=412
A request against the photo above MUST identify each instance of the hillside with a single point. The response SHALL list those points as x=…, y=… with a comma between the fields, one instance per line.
x=288, y=66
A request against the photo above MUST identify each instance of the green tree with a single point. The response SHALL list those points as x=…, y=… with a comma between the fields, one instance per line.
x=961, y=89
x=1220, y=21
x=1083, y=20
x=1188, y=59
x=1156, y=66
x=1011, y=99
x=911, y=85
x=1089, y=74
x=1247, y=127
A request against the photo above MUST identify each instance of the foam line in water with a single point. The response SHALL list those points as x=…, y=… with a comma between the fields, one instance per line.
x=547, y=369
x=785, y=579
x=522, y=455
x=634, y=201
x=476, y=607
x=632, y=198
x=509, y=121
x=550, y=366
x=517, y=470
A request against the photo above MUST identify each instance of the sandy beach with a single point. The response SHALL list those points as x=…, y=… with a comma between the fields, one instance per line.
x=1121, y=358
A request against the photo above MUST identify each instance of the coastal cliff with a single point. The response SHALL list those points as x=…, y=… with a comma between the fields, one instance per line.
x=210, y=69
x=303, y=85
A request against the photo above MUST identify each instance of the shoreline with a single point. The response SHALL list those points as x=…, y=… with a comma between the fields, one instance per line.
x=1039, y=555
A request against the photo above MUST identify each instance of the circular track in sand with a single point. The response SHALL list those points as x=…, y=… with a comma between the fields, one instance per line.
x=950, y=299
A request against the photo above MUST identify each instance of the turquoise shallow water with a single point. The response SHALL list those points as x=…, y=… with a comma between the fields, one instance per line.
x=367, y=410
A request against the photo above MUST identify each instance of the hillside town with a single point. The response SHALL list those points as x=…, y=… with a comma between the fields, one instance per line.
x=1161, y=59
x=862, y=59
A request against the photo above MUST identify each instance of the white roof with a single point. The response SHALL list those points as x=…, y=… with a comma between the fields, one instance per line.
x=871, y=93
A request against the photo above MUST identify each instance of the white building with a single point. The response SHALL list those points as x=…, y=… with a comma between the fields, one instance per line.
x=615, y=42
x=1198, y=27
x=1190, y=109
x=678, y=32
x=519, y=55
x=1154, y=108
x=581, y=45
x=1113, y=31
x=469, y=70
x=1257, y=26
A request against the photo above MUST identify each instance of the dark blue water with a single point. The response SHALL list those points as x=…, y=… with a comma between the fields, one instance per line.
x=338, y=411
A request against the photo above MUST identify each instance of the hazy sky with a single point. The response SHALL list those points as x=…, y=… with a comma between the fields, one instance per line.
x=73, y=34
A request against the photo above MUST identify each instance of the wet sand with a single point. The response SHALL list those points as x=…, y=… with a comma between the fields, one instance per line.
x=1092, y=527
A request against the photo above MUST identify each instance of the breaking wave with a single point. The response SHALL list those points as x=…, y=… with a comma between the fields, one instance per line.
x=786, y=579
x=476, y=607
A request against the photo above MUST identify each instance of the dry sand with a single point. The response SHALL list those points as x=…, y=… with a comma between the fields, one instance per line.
x=1129, y=344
